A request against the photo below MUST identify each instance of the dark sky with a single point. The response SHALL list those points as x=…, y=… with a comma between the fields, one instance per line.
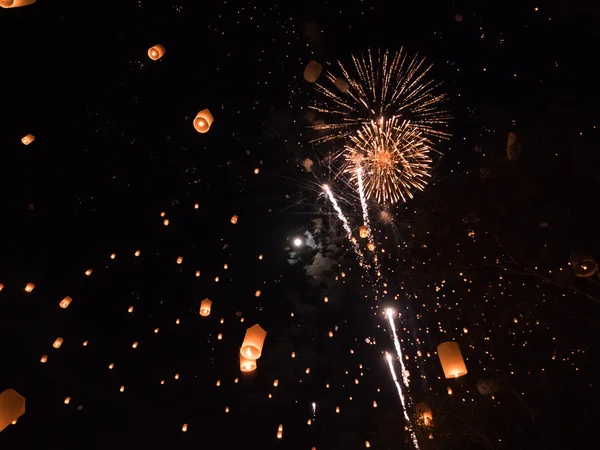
x=115, y=146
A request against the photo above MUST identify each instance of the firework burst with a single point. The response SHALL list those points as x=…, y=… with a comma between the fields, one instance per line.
x=381, y=86
x=393, y=157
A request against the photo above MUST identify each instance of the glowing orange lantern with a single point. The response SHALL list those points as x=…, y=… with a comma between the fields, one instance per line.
x=205, y=307
x=44, y=359
x=451, y=359
x=203, y=121
x=363, y=231
x=67, y=400
x=15, y=4
x=180, y=260
x=137, y=253
x=341, y=84
x=371, y=246
x=28, y=139
x=257, y=293
x=113, y=255
x=197, y=273
x=1, y=286
x=65, y=302
x=312, y=72
x=280, y=432
x=58, y=342
x=424, y=411
x=234, y=219
x=247, y=365
x=29, y=287
x=184, y=428
x=156, y=52
x=253, y=342
x=88, y=272
x=12, y=406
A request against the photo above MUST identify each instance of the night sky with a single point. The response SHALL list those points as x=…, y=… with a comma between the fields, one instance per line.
x=490, y=254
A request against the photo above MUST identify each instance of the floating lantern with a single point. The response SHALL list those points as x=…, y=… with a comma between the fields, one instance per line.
x=88, y=272
x=196, y=206
x=65, y=302
x=253, y=342
x=1, y=286
x=260, y=257
x=218, y=383
x=363, y=231
x=180, y=260
x=280, y=432
x=67, y=400
x=15, y=4
x=203, y=121
x=220, y=336
x=225, y=266
x=451, y=359
x=275, y=383
x=166, y=222
x=424, y=412
x=29, y=287
x=122, y=389
x=58, y=342
x=184, y=427
x=113, y=255
x=197, y=273
x=44, y=359
x=111, y=366
x=342, y=84
x=312, y=71
x=583, y=266
x=85, y=343
x=205, y=307
x=137, y=253
x=28, y=139
x=234, y=219
x=371, y=246
x=130, y=310
x=135, y=345
x=257, y=293
x=247, y=365
x=156, y=52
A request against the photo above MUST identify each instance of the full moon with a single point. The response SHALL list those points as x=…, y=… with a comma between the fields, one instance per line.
x=297, y=242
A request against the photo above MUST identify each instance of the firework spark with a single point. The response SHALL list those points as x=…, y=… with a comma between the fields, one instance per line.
x=393, y=157
x=381, y=86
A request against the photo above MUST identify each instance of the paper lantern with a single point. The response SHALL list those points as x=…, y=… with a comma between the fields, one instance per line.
x=583, y=266
x=253, y=342
x=197, y=273
x=44, y=359
x=156, y=52
x=363, y=231
x=29, y=287
x=27, y=139
x=58, y=342
x=342, y=84
x=1, y=286
x=166, y=222
x=312, y=71
x=179, y=259
x=257, y=293
x=134, y=345
x=205, y=307
x=67, y=400
x=88, y=272
x=275, y=383
x=137, y=253
x=113, y=255
x=247, y=365
x=12, y=406
x=424, y=412
x=15, y=3
x=280, y=432
x=203, y=121
x=451, y=359
x=130, y=309
x=234, y=219
x=65, y=302
x=184, y=427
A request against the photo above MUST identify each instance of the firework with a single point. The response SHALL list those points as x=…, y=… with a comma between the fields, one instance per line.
x=393, y=157
x=381, y=86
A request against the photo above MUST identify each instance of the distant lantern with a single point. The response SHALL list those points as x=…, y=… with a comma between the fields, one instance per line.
x=180, y=260
x=363, y=231
x=225, y=266
x=280, y=432
x=451, y=359
x=196, y=206
x=205, y=307
x=197, y=273
x=260, y=257
x=583, y=266
x=342, y=84
x=371, y=246
x=111, y=366
x=67, y=400
x=163, y=214
x=275, y=383
x=253, y=342
x=203, y=121
x=113, y=255
x=156, y=52
x=29, y=287
x=65, y=302
x=184, y=427
x=85, y=343
x=88, y=272
x=44, y=359
x=58, y=342
x=218, y=383
x=130, y=310
x=424, y=412
x=234, y=219
x=257, y=293
x=122, y=389
x=28, y=139
x=166, y=222
x=220, y=336
x=247, y=365
x=137, y=253
x=1, y=286
x=14, y=4
x=312, y=71
x=135, y=345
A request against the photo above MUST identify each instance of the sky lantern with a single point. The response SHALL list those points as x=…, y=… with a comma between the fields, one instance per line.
x=130, y=309
x=156, y=52
x=166, y=222
x=451, y=359
x=280, y=432
x=67, y=400
x=203, y=121
x=26, y=140
x=247, y=365
x=1, y=286
x=363, y=231
x=65, y=302
x=88, y=272
x=341, y=84
x=253, y=342
x=134, y=345
x=137, y=253
x=29, y=287
x=197, y=273
x=424, y=412
x=234, y=219
x=44, y=359
x=371, y=246
x=312, y=72
x=15, y=4
x=184, y=427
x=179, y=259
x=205, y=307
x=113, y=255
x=58, y=342
x=257, y=293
